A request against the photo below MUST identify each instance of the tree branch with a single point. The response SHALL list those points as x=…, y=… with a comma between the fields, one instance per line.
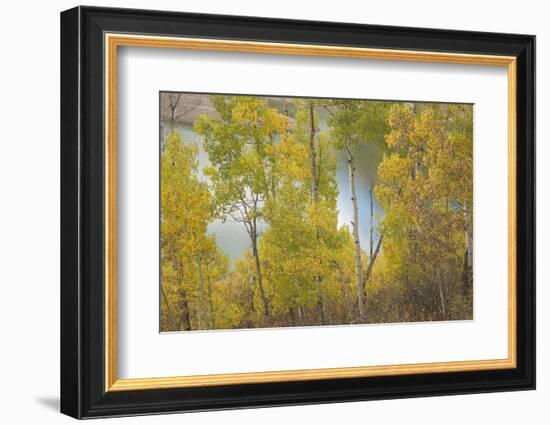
x=371, y=262
x=328, y=110
x=192, y=108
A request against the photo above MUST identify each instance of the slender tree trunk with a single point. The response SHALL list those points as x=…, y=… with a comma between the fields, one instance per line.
x=322, y=312
x=173, y=108
x=201, y=285
x=315, y=177
x=372, y=259
x=210, y=302
x=355, y=229
x=256, y=256
x=250, y=316
x=199, y=316
x=292, y=316
x=441, y=295
x=173, y=104
x=465, y=273
x=313, y=155
x=469, y=246
x=468, y=260
x=442, y=299
x=185, y=319
x=371, y=224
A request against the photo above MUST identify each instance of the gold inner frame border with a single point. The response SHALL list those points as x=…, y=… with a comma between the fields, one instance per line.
x=112, y=41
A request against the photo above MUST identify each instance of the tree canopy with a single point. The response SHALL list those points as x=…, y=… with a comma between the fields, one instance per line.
x=271, y=165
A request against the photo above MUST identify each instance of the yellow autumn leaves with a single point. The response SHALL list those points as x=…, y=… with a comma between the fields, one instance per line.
x=272, y=169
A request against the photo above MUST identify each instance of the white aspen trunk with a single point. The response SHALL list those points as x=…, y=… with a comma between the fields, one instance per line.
x=441, y=296
x=443, y=310
x=357, y=243
x=371, y=261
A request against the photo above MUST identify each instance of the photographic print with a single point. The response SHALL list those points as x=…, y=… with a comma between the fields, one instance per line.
x=286, y=211
x=331, y=232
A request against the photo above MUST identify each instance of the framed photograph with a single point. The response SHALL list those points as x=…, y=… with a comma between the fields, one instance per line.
x=261, y=212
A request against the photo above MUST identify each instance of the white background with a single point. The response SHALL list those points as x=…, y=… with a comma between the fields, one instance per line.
x=199, y=353
x=29, y=225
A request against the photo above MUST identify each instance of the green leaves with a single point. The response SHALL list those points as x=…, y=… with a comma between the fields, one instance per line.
x=354, y=121
x=240, y=146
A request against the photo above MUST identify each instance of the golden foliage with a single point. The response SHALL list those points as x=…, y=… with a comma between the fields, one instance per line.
x=275, y=173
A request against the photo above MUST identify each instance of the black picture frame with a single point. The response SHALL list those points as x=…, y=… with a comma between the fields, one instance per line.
x=83, y=392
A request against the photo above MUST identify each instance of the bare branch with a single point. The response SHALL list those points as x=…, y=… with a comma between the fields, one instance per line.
x=192, y=108
x=371, y=261
x=327, y=108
